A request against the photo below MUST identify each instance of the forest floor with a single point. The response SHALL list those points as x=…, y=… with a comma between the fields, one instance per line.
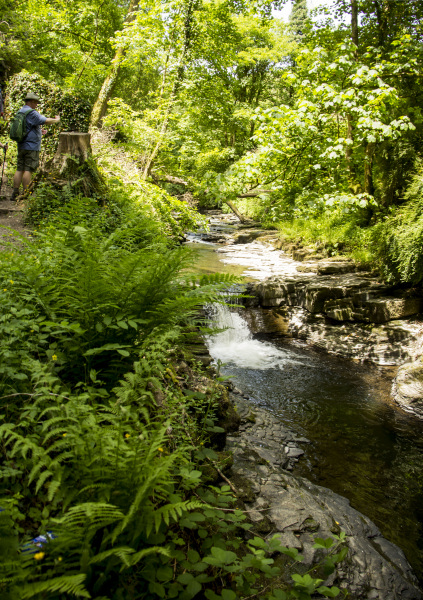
x=11, y=214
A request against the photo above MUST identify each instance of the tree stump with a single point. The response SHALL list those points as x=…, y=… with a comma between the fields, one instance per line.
x=73, y=147
x=74, y=166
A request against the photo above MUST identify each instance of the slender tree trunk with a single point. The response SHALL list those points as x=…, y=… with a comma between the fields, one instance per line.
x=354, y=22
x=180, y=73
x=350, y=124
x=100, y=105
x=348, y=149
x=368, y=168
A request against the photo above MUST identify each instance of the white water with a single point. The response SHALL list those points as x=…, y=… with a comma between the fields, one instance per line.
x=235, y=345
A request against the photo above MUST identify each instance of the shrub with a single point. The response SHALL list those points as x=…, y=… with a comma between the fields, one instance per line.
x=398, y=240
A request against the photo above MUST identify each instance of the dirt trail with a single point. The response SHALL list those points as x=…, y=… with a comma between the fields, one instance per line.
x=11, y=213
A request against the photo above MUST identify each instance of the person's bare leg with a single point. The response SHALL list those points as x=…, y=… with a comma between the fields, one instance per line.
x=17, y=179
x=26, y=179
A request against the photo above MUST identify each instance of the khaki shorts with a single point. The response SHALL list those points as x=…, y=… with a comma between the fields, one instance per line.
x=28, y=160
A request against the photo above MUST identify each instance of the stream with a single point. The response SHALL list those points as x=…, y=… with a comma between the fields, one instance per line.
x=361, y=445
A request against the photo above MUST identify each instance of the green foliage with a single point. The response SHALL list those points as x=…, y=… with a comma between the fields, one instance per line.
x=124, y=178
x=54, y=206
x=74, y=111
x=69, y=43
x=89, y=298
x=398, y=240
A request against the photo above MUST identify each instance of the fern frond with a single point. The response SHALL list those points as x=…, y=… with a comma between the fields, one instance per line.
x=67, y=584
x=122, y=552
x=173, y=511
x=90, y=514
x=135, y=558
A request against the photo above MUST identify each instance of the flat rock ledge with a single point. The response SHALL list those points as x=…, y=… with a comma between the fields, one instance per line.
x=298, y=511
x=348, y=314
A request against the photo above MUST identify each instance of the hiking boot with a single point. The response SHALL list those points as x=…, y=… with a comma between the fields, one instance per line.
x=14, y=195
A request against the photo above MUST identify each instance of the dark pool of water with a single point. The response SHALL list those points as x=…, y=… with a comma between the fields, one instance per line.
x=363, y=447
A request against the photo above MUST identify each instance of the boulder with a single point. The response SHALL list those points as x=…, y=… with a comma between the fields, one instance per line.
x=335, y=268
x=388, y=344
x=407, y=388
x=381, y=310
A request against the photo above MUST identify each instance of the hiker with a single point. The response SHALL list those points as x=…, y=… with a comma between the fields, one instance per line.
x=30, y=146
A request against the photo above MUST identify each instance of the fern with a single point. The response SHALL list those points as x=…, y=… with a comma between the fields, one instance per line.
x=71, y=584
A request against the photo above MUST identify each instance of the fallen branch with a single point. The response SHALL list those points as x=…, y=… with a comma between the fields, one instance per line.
x=235, y=210
x=228, y=481
x=169, y=179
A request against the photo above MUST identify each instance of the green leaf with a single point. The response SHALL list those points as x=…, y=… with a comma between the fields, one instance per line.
x=193, y=588
x=185, y=578
x=105, y=348
x=323, y=543
x=193, y=556
x=164, y=574
x=228, y=595
x=157, y=588
x=332, y=592
x=124, y=352
x=220, y=557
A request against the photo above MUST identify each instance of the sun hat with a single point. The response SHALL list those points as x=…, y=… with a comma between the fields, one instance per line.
x=31, y=96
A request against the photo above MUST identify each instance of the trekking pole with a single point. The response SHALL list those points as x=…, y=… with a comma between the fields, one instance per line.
x=2, y=171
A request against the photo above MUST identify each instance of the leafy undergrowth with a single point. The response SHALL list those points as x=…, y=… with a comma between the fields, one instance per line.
x=108, y=423
x=331, y=236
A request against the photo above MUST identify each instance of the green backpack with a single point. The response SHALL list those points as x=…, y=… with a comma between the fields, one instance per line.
x=18, y=125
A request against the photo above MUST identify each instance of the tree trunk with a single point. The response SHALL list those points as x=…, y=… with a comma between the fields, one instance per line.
x=368, y=169
x=73, y=148
x=350, y=124
x=100, y=105
x=72, y=164
x=354, y=22
x=235, y=210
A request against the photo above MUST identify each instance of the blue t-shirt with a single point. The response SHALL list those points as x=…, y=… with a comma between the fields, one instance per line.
x=32, y=140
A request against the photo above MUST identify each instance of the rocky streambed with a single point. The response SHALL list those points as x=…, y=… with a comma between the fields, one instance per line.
x=298, y=511
x=328, y=305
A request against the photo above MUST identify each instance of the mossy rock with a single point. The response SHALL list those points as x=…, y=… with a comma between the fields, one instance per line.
x=226, y=417
x=310, y=525
x=243, y=487
x=263, y=527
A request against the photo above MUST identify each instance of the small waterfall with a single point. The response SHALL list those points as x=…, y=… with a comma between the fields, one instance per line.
x=235, y=345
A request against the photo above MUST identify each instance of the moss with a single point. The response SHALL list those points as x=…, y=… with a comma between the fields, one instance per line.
x=224, y=462
x=310, y=525
x=264, y=526
x=243, y=487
